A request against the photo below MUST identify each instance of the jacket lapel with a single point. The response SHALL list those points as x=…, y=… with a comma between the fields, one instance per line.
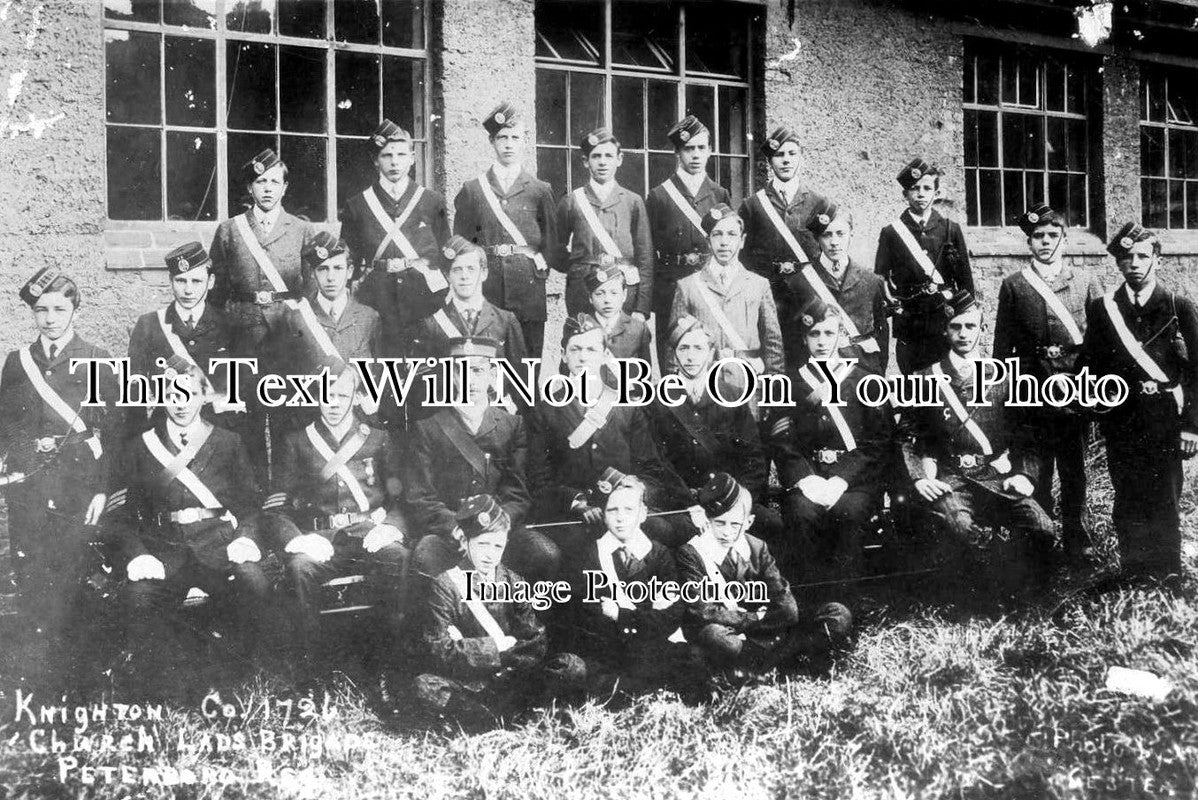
x=280, y=228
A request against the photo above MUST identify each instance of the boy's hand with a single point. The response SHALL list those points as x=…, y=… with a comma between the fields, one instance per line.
x=609, y=608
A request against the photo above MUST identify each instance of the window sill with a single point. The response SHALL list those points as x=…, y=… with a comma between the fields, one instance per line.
x=1178, y=242
x=1009, y=242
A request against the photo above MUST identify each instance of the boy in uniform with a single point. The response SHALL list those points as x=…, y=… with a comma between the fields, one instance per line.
x=487, y=658
x=676, y=207
x=975, y=465
x=334, y=503
x=1041, y=321
x=779, y=244
x=396, y=228
x=749, y=636
x=184, y=516
x=512, y=215
x=257, y=274
x=734, y=304
x=604, y=223
x=627, y=336
x=54, y=454
x=832, y=459
x=923, y=259
x=1148, y=335
x=837, y=280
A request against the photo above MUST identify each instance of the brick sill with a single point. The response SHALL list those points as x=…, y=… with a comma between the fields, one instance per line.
x=1012, y=243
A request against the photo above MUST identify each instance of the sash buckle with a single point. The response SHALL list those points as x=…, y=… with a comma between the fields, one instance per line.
x=188, y=516
x=786, y=268
x=930, y=288
x=505, y=250
x=606, y=259
x=395, y=264
x=1150, y=387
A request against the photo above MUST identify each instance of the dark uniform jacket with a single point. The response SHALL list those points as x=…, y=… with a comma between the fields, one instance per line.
x=237, y=273
x=459, y=647
x=629, y=338
x=300, y=491
x=1025, y=327
x=935, y=431
x=445, y=464
x=1167, y=327
x=355, y=334
x=781, y=609
x=702, y=438
x=675, y=237
x=610, y=640
x=944, y=243
x=765, y=249
x=862, y=296
x=132, y=519
x=71, y=475
x=624, y=217
x=558, y=472
x=812, y=429
x=401, y=298
x=513, y=282
x=491, y=323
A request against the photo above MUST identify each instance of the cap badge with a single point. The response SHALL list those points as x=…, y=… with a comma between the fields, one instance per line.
x=771, y=144
x=379, y=140
x=1033, y=217
x=717, y=214
x=592, y=139
x=1126, y=243
x=808, y=320
x=604, y=487
x=484, y=518
x=259, y=168
x=824, y=219
x=449, y=252
x=322, y=253
x=500, y=117
x=684, y=135
x=916, y=173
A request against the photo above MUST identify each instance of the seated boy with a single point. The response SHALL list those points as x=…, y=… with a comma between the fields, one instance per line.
x=749, y=636
x=627, y=336
x=487, y=659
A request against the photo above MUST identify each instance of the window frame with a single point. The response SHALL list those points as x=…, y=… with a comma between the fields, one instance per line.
x=680, y=77
x=222, y=36
x=1161, y=74
x=1004, y=51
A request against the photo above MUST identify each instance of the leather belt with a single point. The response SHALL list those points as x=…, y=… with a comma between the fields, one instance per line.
x=505, y=250
x=188, y=516
x=1057, y=350
x=971, y=460
x=1157, y=387
x=400, y=264
x=684, y=259
x=343, y=519
x=265, y=297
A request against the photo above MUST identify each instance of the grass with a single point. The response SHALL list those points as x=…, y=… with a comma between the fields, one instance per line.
x=933, y=702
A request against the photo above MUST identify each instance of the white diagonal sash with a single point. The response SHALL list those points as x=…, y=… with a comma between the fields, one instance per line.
x=842, y=424
x=713, y=305
x=869, y=345
x=477, y=608
x=597, y=230
x=185, y=476
x=686, y=208
x=950, y=396
x=781, y=227
x=337, y=463
x=394, y=233
x=1136, y=350
x=308, y=315
x=713, y=573
x=921, y=258
x=172, y=338
x=506, y=222
x=55, y=401
x=242, y=223
x=1054, y=303
x=446, y=324
x=593, y=420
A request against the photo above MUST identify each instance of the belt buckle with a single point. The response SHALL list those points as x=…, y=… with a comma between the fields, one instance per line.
x=187, y=516
x=786, y=267
x=967, y=461
x=46, y=444
x=930, y=288
x=606, y=260
x=1150, y=387
x=340, y=520
x=1053, y=351
x=691, y=259
x=504, y=250
x=396, y=264
x=827, y=456
x=264, y=297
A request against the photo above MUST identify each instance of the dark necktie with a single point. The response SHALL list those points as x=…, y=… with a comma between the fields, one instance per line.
x=189, y=323
x=183, y=438
x=469, y=316
x=623, y=559
x=730, y=564
x=53, y=351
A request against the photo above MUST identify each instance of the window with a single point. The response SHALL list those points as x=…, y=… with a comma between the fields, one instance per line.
x=640, y=67
x=1169, y=147
x=1026, y=134
x=195, y=88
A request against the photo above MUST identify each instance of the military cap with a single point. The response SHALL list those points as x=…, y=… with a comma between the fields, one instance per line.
x=718, y=214
x=681, y=327
x=778, y=137
x=1127, y=237
x=1038, y=215
x=608, y=480
x=822, y=216
x=38, y=284
x=815, y=312
x=909, y=175
x=320, y=248
x=388, y=131
x=597, y=275
x=259, y=164
x=686, y=129
x=595, y=138
x=186, y=256
x=720, y=494
x=178, y=365
x=579, y=324
x=502, y=116
x=460, y=245
x=961, y=301
x=481, y=514
x=466, y=346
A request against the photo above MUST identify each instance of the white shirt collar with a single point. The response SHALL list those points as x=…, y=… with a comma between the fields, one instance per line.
x=195, y=312
x=638, y=544
x=334, y=308
x=730, y=269
x=1144, y=293
x=695, y=387
x=692, y=182
x=1048, y=272
x=834, y=269
x=706, y=544
x=341, y=431
x=608, y=323
x=471, y=416
x=60, y=343
x=474, y=304
x=175, y=431
x=396, y=189
x=267, y=219
x=785, y=188
x=963, y=366
x=506, y=175
x=925, y=218
x=602, y=191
